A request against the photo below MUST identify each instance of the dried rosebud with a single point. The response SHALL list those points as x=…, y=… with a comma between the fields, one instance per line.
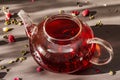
x=61, y=11
x=7, y=22
x=73, y=15
x=85, y=12
x=5, y=29
x=8, y=16
x=10, y=62
x=91, y=17
x=76, y=12
x=39, y=69
x=17, y=59
x=11, y=38
x=20, y=23
x=17, y=78
x=45, y=17
x=2, y=67
x=12, y=21
x=22, y=59
x=99, y=23
x=23, y=52
x=111, y=72
x=4, y=8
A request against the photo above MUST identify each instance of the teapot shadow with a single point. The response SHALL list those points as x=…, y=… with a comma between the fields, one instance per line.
x=110, y=34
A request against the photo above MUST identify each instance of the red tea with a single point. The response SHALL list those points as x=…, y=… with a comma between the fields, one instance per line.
x=62, y=58
x=62, y=28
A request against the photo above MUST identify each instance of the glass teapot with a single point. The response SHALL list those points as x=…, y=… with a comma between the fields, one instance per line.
x=63, y=43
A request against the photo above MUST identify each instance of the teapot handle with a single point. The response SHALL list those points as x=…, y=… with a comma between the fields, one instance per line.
x=98, y=48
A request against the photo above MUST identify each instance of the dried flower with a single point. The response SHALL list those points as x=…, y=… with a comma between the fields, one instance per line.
x=75, y=12
x=61, y=11
x=112, y=72
x=45, y=17
x=8, y=16
x=17, y=59
x=23, y=52
x=99, y=23
x=14, y=21
x=11, y=38
x=7, y=22
x=91, y=17
x=22, y=59
x=2, y=67
x=10, y=62
x=85, y=12
x=39, y=69
x=20, y=23
x=17, y=78
x=5, y=29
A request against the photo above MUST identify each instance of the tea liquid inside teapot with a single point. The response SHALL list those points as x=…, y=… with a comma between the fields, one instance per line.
x=62, y=28
x=59, y=60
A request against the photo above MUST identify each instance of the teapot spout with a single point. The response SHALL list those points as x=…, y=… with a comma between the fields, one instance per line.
x=28, y=23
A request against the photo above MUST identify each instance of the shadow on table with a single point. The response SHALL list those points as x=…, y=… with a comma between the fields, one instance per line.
x=2, y=75
x=39, y=5
x=3, y=42
x=109, y=33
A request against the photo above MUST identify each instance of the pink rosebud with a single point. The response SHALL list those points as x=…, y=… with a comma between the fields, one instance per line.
x=16, y=78
x=11, y=38
x=8, y=16
x=39, y=69
x=76, y=12
x=85, y=12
